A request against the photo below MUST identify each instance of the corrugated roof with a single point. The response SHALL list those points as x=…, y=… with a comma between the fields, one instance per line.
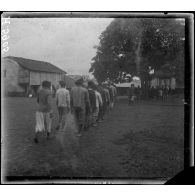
x=36, y=65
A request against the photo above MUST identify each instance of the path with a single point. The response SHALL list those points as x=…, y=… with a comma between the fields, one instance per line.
x=138, y=141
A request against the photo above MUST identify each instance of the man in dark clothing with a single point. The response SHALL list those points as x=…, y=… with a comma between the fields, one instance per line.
x=53, y=91
x=131, y=94
x=92, y=99
x=44, y=112
x=79, y=104
x=88, y=111
x=102, y=108
x=166, y=91
x=107, y=97
x=111, y=92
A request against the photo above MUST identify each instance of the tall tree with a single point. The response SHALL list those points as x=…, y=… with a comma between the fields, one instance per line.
x=136, y=46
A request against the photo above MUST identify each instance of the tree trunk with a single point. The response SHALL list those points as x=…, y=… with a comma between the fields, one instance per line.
x=138, y=56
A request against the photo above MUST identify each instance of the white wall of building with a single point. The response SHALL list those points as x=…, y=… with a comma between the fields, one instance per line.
x=36, y=78
x=9, y=75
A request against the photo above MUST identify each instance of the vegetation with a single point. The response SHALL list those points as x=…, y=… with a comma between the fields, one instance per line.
x=136, y=46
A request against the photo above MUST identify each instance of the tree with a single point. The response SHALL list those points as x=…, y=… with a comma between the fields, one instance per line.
x=136, y=46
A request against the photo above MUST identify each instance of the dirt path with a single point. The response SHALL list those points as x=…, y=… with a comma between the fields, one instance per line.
x=144, y=140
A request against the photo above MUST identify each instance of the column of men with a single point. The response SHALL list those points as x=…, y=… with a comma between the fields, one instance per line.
x=89, y=102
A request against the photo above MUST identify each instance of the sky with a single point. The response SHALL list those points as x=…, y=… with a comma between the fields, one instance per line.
x=65, y=42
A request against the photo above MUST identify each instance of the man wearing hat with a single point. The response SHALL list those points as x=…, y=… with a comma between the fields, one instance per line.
x=79, y=103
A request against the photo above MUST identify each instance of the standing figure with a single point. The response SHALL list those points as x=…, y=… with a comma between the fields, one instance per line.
x=111, y=92
x=160, y=93
x=115, y=93
x=63, y=104
x=53, y=91
x=166, y=91
x=92, y=99
x=30, y=92
x=102, y=107
x=44, y=112
x=79, y=100
x=88, y=110
x=99, y=105
x=131, y=94
x=107, y=95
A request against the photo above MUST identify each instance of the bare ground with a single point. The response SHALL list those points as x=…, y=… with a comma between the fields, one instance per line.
x=144, y=140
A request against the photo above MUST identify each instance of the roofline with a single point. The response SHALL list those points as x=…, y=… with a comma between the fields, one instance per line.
x=41, y=70
x=63, y=72
x=10, y=58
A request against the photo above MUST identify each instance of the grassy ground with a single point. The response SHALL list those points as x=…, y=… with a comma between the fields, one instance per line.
x=144, y=140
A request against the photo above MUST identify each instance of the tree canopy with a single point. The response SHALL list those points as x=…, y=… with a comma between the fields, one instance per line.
x=136, y=46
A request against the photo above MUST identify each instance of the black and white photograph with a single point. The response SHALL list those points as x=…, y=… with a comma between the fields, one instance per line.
x=95, y=97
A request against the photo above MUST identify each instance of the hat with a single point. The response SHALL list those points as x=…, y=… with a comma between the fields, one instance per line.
x=62, y=83
x=46, y=84
x=79, y=81
x=90, y=83
x=85, y=84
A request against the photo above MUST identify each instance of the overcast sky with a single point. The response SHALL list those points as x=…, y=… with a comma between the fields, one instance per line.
x=65, y=42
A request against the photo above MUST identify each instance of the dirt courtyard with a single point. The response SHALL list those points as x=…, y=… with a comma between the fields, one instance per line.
x=144, y=140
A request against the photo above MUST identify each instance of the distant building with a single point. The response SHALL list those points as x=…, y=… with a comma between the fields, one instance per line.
x=159, y=82
x=122, y=88
x=166, y=76
x=21, y=75
x=162, y=78
x=75, y=77
x=126, y=85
